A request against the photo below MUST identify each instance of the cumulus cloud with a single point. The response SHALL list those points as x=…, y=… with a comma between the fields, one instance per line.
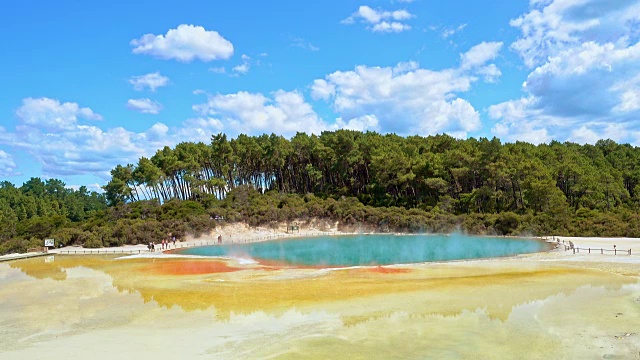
x=480, y=54
x=552, y=26
x=51, y=114
x=7, y=164
x=362, y=123
x=73, y=147
x=322, y=89
x=243, y=68
x=585, y=71
x=285, y=112
x=150, y=81
x=185, y=43
x=200, y=128
x=145, y=106
x=407, y=99
x=380, y=20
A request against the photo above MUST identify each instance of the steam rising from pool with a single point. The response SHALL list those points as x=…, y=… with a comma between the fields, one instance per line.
x=378, y=249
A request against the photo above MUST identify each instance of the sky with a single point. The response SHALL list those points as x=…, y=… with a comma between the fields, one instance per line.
x=88, y=85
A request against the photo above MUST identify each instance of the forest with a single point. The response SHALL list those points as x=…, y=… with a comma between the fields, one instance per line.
x=383, y=182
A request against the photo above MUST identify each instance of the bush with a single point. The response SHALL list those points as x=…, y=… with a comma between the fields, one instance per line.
x=506, y=223
x=93, y=242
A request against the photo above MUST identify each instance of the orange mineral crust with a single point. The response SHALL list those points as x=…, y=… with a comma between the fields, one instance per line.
x=188, y=267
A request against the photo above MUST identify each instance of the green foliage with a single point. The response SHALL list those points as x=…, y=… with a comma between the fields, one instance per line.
x=507, y=223
x=40, y=209
x=454, y=176
x=381, y=182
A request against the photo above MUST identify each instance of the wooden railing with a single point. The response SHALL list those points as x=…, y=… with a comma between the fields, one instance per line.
x=229, y=239
x=596, y=250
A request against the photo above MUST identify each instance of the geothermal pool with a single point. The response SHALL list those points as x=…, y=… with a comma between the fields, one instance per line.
x=544, y=305
x=378, y=249
x=160, y=306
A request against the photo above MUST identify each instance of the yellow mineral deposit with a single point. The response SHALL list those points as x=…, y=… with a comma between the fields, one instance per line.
x=102, y=307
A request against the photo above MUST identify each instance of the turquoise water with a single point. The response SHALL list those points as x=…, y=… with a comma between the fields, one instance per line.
x=379, y=249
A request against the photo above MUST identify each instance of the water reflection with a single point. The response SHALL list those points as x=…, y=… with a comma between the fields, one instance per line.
x=43, y=268
x=430, y=311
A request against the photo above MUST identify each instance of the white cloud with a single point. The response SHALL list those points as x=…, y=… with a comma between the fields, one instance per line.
x=585, y=60
x=393, y=26
x=241, y=69
x=405, y=67
x=7, y=164
x=50, y=114
x=185, y=43
x=303, y=44
x=145, y=106
x=244, y=112
x=480, y=54
x=361, y=123
x=379, y=20
x=491, y=73
x=283, y=112
x=235, y=71
x=151, y=81
x=76, y=148
x=449, y=32
x=552, y=26
x=407, y=99
x=322, y=89
x=200, y=128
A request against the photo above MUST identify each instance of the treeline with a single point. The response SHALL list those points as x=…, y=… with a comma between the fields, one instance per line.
x=359, y=180
x=436, y=172
x=148, y=220
x=37, y=208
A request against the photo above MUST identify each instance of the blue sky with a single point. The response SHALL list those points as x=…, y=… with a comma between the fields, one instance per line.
x=89, y=85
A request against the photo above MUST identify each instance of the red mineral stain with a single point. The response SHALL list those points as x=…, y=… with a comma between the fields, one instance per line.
x=189, y=267
x=387, y=270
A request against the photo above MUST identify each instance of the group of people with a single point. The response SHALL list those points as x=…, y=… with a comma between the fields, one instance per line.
x=166, y=243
